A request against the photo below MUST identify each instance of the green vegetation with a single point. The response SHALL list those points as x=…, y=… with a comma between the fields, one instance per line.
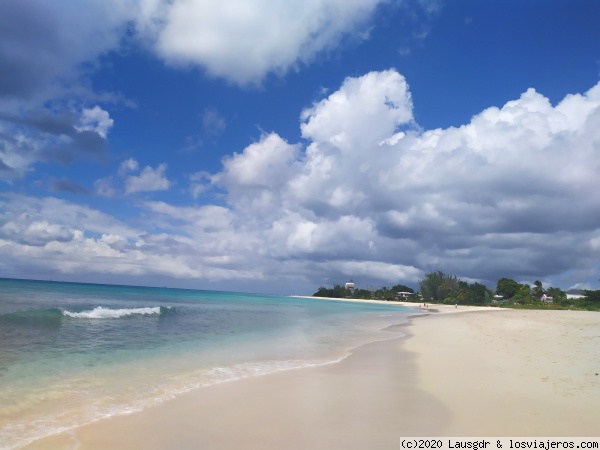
x=523, y=295
x=383, y=293
x=590, y=301
x=338, y=291
x=507, y=288
x=440, y=287
x=437, y=285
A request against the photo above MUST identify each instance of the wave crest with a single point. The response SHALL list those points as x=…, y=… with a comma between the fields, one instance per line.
x=107, y=313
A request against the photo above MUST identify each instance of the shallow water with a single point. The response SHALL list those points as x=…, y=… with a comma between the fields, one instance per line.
x=73, y=353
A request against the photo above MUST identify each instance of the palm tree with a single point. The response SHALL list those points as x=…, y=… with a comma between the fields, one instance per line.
x=538, y=290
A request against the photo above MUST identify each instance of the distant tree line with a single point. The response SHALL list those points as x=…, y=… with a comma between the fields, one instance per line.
x=524, y=295
x=440, y=287
x=384, y=293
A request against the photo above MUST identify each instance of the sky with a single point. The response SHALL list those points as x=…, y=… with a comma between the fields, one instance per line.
x=277, y=146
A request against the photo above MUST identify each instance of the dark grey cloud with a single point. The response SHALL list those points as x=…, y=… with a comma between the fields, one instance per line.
x=45, y=121
x=64, y=185
x=51, y=136
x=4, y=167
x=30, y=47
x=44, y=45
x=161, y=244
x=83, y=144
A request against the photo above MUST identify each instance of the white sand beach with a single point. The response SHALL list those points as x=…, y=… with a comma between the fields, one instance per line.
x=458, y=372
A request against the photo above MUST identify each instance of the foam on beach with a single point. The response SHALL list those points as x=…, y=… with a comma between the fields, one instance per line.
x=18, y=433
x=78, y=401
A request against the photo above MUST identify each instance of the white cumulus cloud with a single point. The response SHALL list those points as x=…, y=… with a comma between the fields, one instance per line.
x=47, y=51
x=130, y=180
x=369, y=196
x=363, y=110
x=95, y=119
x=148, y=180
x=243, y=41
x=511, y=192
x=129, y=165
x=237, y=40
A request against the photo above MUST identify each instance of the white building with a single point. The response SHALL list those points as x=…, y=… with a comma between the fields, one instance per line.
x=350, y=287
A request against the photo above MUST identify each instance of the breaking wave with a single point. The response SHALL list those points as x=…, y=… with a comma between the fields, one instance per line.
x=107, y=313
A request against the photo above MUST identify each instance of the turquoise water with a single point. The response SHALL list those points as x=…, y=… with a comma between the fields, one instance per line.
x=74, y=353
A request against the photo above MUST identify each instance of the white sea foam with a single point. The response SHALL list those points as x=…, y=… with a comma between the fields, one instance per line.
x=18, y=435
x=223, y=374
x=207, y=339
x=251, y=369
x=161, y=391
x=107, y=313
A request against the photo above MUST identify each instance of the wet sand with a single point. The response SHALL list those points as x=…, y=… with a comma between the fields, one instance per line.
x=473, y=372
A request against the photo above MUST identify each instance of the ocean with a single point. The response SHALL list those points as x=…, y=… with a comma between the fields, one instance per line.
x=73, y=353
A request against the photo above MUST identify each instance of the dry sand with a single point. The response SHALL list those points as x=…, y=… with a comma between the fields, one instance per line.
x=476, y=373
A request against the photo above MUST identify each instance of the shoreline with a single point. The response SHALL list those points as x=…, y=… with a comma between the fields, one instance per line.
x=496, y=373
x=437, y=307
x=354, y=300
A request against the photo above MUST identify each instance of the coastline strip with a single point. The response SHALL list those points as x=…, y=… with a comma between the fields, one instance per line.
x=485, y=373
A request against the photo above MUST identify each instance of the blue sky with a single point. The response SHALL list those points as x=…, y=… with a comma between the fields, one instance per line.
x=279, y=146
